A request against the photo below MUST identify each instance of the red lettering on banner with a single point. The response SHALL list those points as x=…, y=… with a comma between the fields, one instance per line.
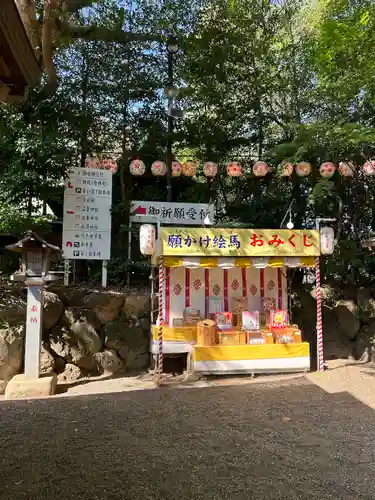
x=276, y=240
x=291, y=240
x=305, y=242
x=256, y=241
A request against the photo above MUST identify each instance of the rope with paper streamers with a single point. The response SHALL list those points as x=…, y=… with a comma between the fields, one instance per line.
x=319, y=323
x=161, y=319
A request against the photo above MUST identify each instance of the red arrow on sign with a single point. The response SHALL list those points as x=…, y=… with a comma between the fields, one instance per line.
x=70, y=212
x=69, y=244
x=70, y=185
x=140, y=210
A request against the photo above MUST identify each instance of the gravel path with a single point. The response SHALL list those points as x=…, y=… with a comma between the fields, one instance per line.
x=282, y=441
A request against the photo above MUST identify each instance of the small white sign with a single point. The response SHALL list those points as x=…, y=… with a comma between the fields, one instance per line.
x=183, y=214
x=87, y=214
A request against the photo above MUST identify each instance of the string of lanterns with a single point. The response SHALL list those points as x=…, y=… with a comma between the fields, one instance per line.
x=259, y=169
x=101, y=163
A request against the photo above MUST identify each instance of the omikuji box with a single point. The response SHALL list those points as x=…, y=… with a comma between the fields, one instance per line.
x=237, y=319
x=288, y=335
x=224, y=320
x=278, y=318
x=250, y=320
x=231, y=337
x=239, y=304
x=206, y=332
x=191, y=316
x=265, y=334
x=178, y=322
x=256, y=339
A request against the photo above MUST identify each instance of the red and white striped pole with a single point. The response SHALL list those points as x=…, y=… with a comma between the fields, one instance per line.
x=159, y=367
x=319, y=322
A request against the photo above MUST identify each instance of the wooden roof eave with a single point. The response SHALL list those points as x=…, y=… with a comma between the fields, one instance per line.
x=18, y=41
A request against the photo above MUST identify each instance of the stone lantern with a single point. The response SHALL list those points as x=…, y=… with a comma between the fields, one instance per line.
x=35, y=263
x=35, y=259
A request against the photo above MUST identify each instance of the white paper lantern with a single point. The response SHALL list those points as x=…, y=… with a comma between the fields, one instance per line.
x=346, y=168
x=176, y=169
x=189, y=169
x=159, y=168
x=92, y=162
x=260, y=169
x=292, y=261
x=147, y=238
x=234, y=169
x=327, y=169
x=369, y=167
x=210, y=169
x=327, y=240
x=259, y=262
x=285, y=170
x=137, y=167
x=303, y=169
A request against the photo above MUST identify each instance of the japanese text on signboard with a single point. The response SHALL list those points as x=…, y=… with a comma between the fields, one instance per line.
x=87, y=218
x=173, y=213
x=243, y=242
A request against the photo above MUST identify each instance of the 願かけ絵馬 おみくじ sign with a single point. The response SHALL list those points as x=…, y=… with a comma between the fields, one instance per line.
x=239, y=243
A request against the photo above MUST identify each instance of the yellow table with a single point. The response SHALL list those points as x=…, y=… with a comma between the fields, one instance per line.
x=176, y=340
x=267, y=358
x=176, y=333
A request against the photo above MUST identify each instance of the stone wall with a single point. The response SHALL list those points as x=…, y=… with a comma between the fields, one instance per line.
x=92, y=331
x=85, y=331
x=348, y=321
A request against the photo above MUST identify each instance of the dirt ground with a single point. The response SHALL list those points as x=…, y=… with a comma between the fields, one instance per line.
x=280, y=440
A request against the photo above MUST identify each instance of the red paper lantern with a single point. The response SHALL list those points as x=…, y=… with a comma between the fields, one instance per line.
x=210, y=169
x=260, y=169
x=234, y=169
x=159, y=168
x=109, y=164
x=346, y=168
x=369, y=167
x=176, y=169
x=137, y=167
x=327, y=169
x=189, y=168
x=303, y=169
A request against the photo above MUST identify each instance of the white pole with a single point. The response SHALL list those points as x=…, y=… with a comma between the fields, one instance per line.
x=159, y=368
x=66, y=272
x=319, y=322
x=104, y=274
x=33, y=330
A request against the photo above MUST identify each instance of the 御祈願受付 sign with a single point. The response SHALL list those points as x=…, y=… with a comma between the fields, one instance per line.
x=193, y=214
x=240, y=243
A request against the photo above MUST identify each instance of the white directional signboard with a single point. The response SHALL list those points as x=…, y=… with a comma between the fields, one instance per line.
x=183, y=214
x=87, y=215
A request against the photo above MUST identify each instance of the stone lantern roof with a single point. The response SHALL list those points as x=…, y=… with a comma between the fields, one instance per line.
x=30, y=236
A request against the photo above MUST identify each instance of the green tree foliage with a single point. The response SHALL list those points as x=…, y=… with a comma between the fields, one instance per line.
x=284, y=80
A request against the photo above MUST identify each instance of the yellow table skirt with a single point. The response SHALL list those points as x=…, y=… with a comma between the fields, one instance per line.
x=177, y=333
x=243, y=352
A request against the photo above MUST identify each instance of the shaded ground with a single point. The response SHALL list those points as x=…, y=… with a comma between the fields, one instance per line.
x=286, y=440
